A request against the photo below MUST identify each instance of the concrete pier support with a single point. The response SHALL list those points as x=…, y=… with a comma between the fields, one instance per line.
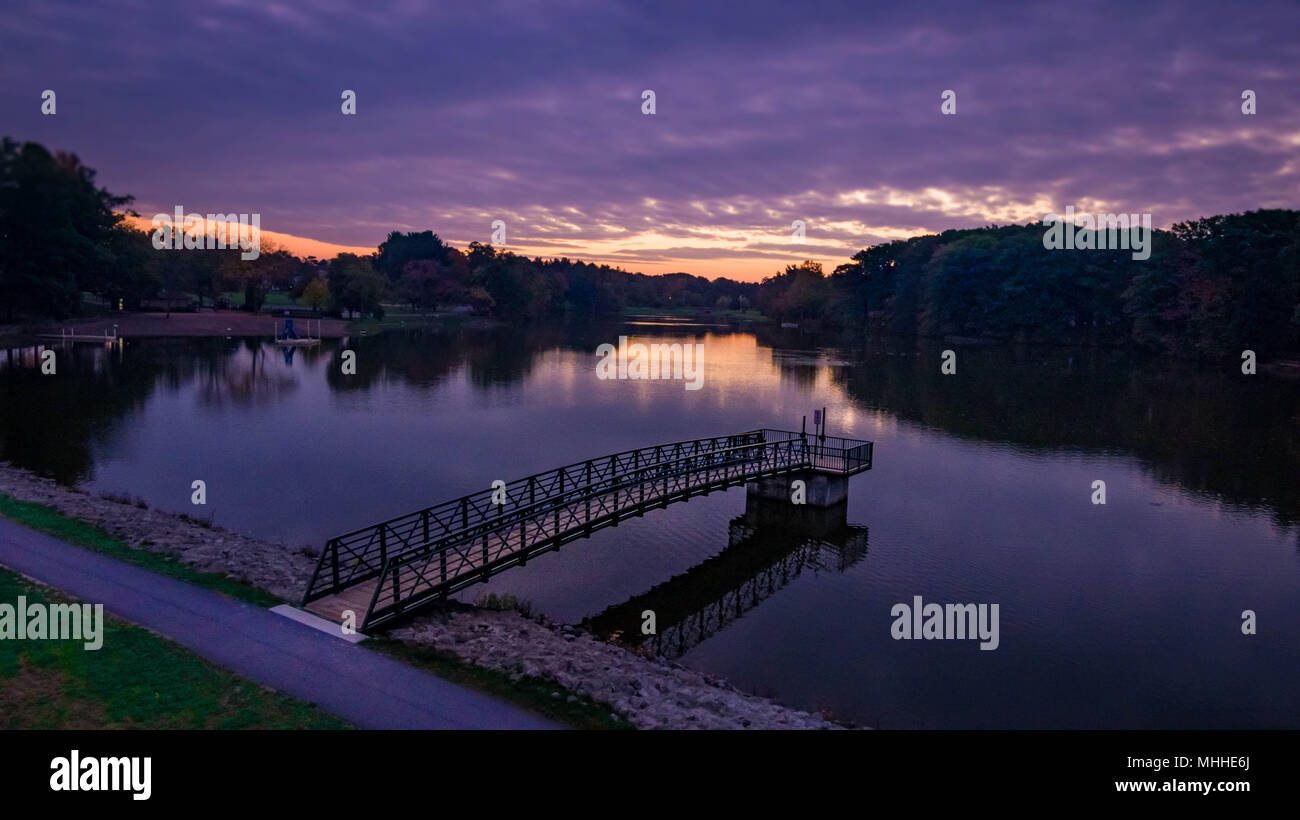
x=825, y=510
x=821, y=490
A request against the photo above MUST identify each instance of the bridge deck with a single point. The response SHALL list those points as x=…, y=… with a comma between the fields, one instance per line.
x=388, y=569
x=355, y=598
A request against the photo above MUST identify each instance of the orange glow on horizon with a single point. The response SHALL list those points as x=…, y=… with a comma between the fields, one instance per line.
x=744, y=269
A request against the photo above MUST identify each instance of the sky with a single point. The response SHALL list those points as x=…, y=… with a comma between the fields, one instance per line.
x=765, y=113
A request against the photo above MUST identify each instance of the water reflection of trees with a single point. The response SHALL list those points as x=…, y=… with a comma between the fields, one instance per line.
x=240, y=377
x=1215, y=432
x=425, y=358
x=1234, y=437
x=51, y=424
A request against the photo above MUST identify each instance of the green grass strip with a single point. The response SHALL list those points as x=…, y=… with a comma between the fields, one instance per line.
x=49, y=520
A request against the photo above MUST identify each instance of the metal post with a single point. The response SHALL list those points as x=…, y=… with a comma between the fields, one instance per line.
x=334, y=545
x=557, y=509
x=587, y=502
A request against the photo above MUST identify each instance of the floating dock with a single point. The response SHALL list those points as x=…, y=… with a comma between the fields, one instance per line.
x=65, y=335
x=285, y=341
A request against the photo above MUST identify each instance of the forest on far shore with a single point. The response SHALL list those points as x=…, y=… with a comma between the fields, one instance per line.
x=1212, y=286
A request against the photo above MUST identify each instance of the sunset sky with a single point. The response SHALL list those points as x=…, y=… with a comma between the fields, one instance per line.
x=766, y=113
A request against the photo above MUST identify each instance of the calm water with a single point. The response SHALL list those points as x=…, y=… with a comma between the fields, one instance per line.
x=1124, y=615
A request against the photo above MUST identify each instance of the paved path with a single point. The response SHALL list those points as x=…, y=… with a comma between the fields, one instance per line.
x=359, y=685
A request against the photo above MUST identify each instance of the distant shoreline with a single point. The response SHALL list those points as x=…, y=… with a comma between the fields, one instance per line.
x=202, y=323
x=219, y=323
x=238, y=323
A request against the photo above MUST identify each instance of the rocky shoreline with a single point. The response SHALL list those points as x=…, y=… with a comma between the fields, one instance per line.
x=647, y=692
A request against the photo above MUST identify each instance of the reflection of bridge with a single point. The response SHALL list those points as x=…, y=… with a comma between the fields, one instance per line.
x=759, y=561
x=395, y=566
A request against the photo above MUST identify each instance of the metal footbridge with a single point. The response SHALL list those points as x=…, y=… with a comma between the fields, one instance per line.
x=392, y=568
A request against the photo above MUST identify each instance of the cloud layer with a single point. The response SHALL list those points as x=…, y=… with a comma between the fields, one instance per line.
x=766, y=113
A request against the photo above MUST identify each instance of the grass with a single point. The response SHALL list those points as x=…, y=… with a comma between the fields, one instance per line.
x=401, y=321
x=136, y=680
x=49, y=520
x=547, y=698
x=371, y=325
x=274, y=297
x=504, y=603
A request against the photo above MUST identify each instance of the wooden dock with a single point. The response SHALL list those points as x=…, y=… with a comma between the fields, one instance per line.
x=79, y=337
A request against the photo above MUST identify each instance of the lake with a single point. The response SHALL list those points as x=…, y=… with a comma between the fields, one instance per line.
x=1126, y=614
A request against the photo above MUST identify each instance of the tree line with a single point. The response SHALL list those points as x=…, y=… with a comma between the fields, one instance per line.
x=1211, y=286
x=62, y=235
